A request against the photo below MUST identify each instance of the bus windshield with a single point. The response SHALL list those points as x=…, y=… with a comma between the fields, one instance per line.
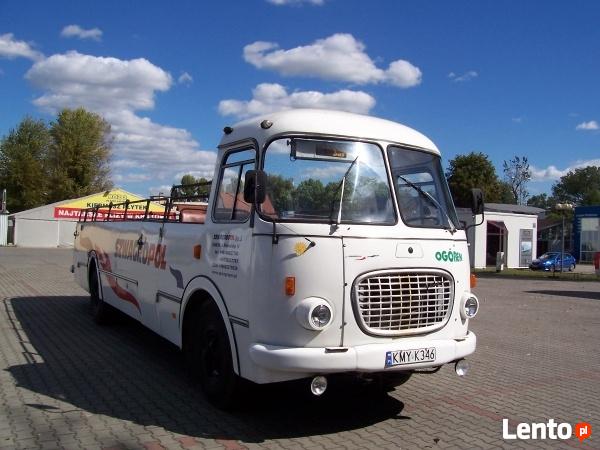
x=327, y=181
x=421, y=188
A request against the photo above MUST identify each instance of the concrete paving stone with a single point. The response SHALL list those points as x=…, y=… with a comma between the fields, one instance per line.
x=88, y=441
x=123, y=384
x=27, y=443
x=153, y=445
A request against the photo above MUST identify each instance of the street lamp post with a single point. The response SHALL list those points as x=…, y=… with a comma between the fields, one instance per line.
x=563, y=208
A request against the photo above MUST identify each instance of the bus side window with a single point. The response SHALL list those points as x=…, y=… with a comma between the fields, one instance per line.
x=229, y=201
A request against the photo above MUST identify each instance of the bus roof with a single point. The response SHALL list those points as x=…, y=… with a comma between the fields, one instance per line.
x=327, y=122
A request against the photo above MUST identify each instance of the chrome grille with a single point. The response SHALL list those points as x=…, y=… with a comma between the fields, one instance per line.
x=397, y=302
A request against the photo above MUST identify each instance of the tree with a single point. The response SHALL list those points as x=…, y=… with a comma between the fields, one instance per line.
x=541, y=201
x=310, y=195
x=190, y=191
x=517, y=174
x=22, y=165
x=78, y=159
x=186, y=181
x=473, y=170
x=579, y=186
x=280, y=192
x=504, y=194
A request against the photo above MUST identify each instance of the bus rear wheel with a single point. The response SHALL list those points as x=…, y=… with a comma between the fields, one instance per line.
x=100, y=310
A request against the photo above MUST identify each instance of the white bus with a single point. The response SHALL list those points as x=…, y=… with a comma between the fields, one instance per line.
x=329, y=243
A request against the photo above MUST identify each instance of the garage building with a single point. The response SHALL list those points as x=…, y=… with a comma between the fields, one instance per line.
x=507, y=229
x=53, y=225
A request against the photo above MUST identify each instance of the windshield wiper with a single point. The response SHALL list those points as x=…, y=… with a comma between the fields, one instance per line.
x=432, y=200
x=341, y=185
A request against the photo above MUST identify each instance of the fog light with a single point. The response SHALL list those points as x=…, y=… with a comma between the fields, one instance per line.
x=469, y=307
x=461, y=367
x=318, y=385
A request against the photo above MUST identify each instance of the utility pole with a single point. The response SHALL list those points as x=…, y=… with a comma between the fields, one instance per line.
x=3, y=221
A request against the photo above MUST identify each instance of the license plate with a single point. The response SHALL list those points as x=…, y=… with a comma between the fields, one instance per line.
x=415, y=355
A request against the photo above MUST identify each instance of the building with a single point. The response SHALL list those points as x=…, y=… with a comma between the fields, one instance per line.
x=53, y=225
x=550, y=235
x=586, y=233
x=507, y=229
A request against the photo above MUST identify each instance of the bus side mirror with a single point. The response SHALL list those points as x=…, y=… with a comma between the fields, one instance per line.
x=476, y=201
x=255, y=187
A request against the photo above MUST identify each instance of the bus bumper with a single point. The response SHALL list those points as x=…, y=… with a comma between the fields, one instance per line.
x=362, y=358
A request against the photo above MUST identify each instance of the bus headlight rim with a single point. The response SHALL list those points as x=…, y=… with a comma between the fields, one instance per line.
x=469, y=306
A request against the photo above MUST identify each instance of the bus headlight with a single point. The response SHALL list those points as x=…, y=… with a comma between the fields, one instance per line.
x=469, y=306
x=314, y=313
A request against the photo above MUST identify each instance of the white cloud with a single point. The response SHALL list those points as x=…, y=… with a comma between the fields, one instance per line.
x=117, y=89
x=270, y=97
x=99, y=83
x=11, y=48
x=552, y=173
x=132, y=177
x=81, y=33
x=334, y=171
x=467, y=76
x=339, y=57
x=517, y=119
x=588, y=126
x=185, y=78
x=295, y=2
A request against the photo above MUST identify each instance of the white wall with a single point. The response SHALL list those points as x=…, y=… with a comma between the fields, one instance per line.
x=514, y=223
x=65, y=233
x=36, y=233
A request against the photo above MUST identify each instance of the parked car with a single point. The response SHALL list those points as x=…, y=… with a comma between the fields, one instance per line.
x=551, y=261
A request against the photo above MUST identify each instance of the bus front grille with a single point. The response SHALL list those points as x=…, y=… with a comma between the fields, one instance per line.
x=398, y=302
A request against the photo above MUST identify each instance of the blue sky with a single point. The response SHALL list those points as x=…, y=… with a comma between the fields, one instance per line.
x=504, y=78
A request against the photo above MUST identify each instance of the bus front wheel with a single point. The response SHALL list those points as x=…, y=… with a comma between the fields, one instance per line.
x=210, y=357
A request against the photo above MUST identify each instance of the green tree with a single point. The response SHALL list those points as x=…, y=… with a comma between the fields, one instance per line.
x=203, y=191
x=504, y=194
x=190, y=186
x=23, y=153
x=280, y=192
x=579, y=186
x=473, y=170
x=78, y=160
x=310, y=195
x=541, y=201
x=186, y=189
x=517, y=174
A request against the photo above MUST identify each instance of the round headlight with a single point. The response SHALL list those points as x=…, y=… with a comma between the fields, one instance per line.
x=470, y=307
x=320, y=316
x=314, y=313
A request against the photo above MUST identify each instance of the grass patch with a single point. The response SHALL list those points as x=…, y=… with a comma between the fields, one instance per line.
x=490, y=272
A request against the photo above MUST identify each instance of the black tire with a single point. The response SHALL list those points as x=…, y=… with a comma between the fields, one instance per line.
x=100, y=310
x=209, y=356
x=571, y=267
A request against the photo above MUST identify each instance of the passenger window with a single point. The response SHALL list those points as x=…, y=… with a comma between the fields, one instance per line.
x=229, y=203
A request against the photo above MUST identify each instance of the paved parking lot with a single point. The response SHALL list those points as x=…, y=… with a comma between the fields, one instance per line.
x=66, y=383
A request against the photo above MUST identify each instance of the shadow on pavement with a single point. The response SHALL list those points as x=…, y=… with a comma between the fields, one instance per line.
x=127, y=372
x=576, y=294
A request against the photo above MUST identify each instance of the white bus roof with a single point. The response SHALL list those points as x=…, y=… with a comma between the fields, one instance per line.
x=326, y=122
